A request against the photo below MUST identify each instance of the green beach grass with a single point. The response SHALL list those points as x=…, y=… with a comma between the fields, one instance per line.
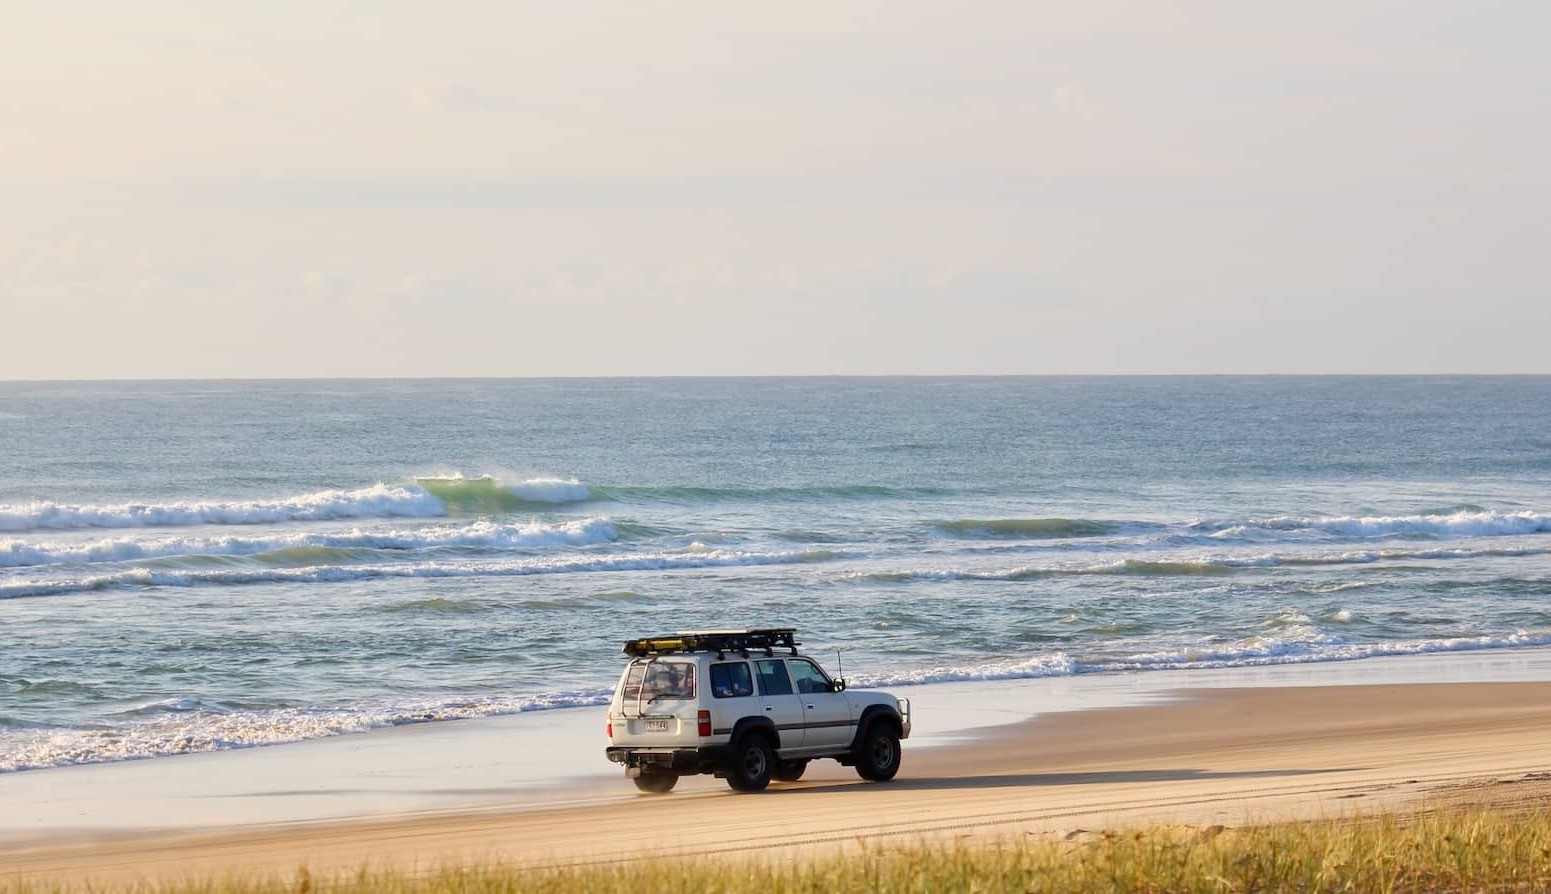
x=1471, y=850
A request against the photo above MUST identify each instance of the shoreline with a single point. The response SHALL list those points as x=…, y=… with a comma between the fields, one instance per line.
x=536, y=759
x=1195, y=755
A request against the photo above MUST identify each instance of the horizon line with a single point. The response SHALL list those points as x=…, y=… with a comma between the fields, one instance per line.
x=755, y=376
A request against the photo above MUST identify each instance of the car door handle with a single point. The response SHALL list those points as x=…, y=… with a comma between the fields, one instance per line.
x=769, y=708
x=810, y=707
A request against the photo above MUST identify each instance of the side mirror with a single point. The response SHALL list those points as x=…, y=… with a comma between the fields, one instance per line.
x=838, y=685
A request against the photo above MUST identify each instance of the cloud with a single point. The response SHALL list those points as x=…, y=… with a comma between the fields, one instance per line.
x=445, y=97
x=1072, y=101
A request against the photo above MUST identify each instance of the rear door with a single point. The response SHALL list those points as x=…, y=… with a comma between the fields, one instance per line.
x=780, y=701
x=732, y=695
x=657, y=701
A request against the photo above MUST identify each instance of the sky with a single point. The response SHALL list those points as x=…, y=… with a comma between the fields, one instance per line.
x=387, y=189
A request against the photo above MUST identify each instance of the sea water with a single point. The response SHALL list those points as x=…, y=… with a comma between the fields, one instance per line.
x=195, y=566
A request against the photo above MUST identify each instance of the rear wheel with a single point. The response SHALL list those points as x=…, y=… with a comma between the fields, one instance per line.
x=877, y=758
x=789, y=771
x=657, y=783
x=750, y=762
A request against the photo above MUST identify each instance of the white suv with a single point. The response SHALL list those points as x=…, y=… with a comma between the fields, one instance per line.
x=727, y=702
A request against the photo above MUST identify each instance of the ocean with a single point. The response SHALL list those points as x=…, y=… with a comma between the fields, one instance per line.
x=202, y=565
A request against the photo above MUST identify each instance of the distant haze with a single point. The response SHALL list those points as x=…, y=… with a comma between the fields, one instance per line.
x=552, y=189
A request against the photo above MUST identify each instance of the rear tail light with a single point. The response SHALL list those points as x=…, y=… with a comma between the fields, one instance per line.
x=703, y=723
x=608, y=730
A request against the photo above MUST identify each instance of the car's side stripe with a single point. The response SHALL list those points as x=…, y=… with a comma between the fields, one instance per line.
x=783, y=727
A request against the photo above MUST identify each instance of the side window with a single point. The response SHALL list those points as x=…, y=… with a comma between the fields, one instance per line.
x=772, y=677
x=808, y=676
x=731, y=680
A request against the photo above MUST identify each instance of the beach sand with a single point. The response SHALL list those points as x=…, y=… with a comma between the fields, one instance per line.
x=1202, y=757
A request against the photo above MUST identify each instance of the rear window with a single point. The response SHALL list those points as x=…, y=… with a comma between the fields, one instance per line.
x=731, y=680
x=651, y=680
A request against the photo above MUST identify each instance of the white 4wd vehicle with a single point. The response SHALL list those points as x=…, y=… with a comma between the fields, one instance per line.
x=725, y=702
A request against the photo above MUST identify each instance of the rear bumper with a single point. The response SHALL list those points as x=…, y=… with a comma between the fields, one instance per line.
x=683, y=761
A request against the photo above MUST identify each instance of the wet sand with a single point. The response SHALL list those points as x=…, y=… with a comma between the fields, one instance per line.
x=1219, y=756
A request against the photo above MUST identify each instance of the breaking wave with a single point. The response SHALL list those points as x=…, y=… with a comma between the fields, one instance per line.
x=377, y=501
x=488, y=494
x=1300, y=647
x=484, y=535
x=188, y=726
x=422, y=498
x=1469, y=522
x=1461, y=522
x=1195, y=566
x=696, y=556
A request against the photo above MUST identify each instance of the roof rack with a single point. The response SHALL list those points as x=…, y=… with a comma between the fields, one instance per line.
x=766, y=639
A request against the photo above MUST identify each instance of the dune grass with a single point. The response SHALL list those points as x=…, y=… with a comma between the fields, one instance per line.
x=1451, y=851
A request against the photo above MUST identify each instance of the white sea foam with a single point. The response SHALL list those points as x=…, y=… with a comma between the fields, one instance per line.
x=1302, y=644
x=1458, y=524
x=1058, y=664
x=16, y=552
x=1173, y=564
x=655, y=561
x=551, y=490
x=188, y=725
x=377, y=501
x=1260, y=651
x=191, y=725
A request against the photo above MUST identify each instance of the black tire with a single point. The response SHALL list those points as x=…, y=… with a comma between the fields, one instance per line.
x=657, y=783
x=877, y=755
x=750, y=762
x=789, y=771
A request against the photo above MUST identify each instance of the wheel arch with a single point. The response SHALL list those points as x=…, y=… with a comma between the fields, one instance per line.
x=763, y=725
x=876, y=714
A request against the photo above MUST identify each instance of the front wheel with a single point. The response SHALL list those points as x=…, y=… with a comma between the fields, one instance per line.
x=750, y=762
x=656, y=783
x=877, y=759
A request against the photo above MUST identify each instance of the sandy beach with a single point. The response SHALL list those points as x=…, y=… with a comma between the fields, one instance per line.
x=1142, y=410
x=1196, y=756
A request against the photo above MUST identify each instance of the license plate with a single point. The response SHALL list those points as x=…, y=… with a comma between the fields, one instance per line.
x=657, y=726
